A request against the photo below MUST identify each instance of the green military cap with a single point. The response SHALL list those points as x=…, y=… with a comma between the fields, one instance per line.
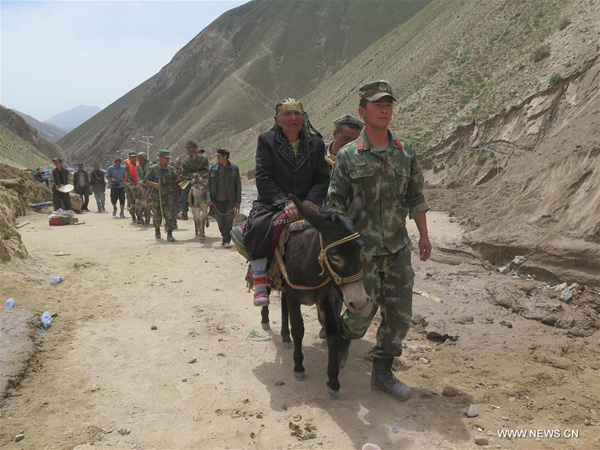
x=143, y=155
x=131, y=153
x=375, y=90
x=348, y=119
x=163, y=152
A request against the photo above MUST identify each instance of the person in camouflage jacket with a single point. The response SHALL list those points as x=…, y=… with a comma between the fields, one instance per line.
x=385, y=169
x=162, y=178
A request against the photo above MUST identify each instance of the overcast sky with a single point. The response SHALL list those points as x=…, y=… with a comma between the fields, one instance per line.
x=55, y=55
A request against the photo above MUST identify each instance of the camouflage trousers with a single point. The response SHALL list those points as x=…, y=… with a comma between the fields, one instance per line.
x=388, y=281
x=168, y=209
x=130, y=201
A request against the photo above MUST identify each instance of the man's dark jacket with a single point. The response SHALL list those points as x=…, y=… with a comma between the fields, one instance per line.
x=86, y=182
x=60, y=177
x=276, y=176
x=233, y=183
x=97, y=180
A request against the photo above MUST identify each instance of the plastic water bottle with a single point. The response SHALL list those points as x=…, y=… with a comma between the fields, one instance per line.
x=56, y=279
x=46, y=319
x=9, y=303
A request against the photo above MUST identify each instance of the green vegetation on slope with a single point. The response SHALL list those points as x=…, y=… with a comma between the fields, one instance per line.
x=20, y=144
x=14, y=151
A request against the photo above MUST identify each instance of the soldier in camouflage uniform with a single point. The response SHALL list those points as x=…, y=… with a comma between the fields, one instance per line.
x=162, y=178
x=347, y=128
x=385, y=169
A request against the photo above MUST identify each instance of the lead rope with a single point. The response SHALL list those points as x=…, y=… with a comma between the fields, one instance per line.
x=324, y=260
x=287, y=278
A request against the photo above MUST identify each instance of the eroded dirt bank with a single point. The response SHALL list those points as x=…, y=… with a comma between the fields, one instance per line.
x=209, y=377
x=527, y=181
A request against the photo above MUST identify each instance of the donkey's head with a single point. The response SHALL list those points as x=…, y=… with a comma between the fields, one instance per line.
x=197, y=179
x=342, y=245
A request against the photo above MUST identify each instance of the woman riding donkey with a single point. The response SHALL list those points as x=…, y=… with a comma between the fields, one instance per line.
x=289, y=160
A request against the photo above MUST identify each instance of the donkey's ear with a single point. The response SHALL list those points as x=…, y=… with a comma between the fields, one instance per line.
x=315, y=218
x=356, y=207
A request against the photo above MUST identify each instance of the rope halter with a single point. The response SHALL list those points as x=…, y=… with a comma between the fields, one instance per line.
x=324, y=260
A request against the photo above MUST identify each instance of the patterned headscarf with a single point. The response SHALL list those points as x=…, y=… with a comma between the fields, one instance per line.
x=298, y=159
x=288, y=104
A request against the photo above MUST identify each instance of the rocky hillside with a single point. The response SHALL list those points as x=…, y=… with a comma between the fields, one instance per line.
x=21, y=145
x=46, y=130
x=229, y=77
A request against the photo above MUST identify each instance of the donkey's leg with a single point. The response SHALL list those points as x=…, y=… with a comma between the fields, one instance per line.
x=328, y=309
x=298, y=334
x=285, y=326
x=264, y=313
x=203, y=218
x=334, y=299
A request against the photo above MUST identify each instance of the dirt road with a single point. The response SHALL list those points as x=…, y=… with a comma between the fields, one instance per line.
x=210, y=377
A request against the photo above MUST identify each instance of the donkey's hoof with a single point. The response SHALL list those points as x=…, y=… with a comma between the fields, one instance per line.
x=287, y=344
x=300, y=376
x=265, y=325
x=333, y=394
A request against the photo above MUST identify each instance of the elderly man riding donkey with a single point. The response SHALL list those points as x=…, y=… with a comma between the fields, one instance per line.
x=375, y=184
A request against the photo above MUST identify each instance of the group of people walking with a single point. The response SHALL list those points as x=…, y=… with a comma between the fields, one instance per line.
x=166, y=185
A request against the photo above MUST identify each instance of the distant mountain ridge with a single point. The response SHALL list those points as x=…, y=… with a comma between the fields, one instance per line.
x=71, y=119
x=229, y=77
x=46, y=130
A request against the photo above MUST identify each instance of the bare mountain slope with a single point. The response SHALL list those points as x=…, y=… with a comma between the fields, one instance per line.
x=20, y=144
x=457, y=61
x=464, y=60
x=229, y=76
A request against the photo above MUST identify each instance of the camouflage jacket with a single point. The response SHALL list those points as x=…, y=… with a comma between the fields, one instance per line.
x=193, y=164
x=141, y=170
x=165, y=175
x=392, y=183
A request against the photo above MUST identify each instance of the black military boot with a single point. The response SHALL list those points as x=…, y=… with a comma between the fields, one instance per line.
x=157, y=233
x=170, y=237
x=382, y=378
